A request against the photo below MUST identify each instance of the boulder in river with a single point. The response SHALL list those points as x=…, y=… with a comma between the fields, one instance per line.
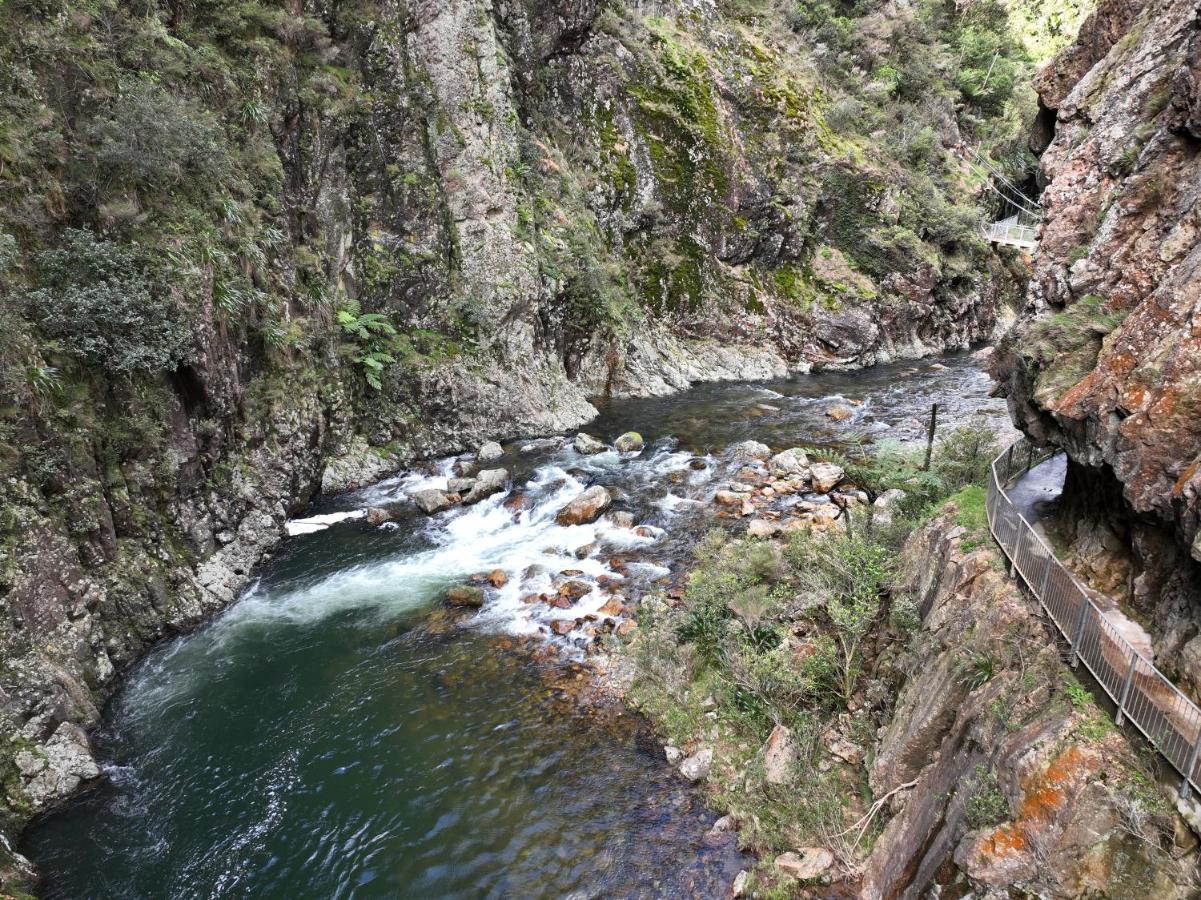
x=378, y=515
x=490, y=452
x=497, y=578
x=562, y=627
x=432, y=500
x=806, y=863
x=698, y=766
x=585, y=508
x=789, y=464
x=630, y=442
x=587, y=444
x=465, y=595
x=729, y=498
x=460, y=485
x=839, y=413
x=745, y=451
x=825, y=476
x=573, y=590
x=621, y=518
x=487, y=483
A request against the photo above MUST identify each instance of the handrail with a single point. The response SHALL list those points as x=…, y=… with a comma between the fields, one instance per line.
x=1165, y=716
x=1008, y=232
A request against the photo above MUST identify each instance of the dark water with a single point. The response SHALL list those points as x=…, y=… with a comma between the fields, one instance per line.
x=320, y=740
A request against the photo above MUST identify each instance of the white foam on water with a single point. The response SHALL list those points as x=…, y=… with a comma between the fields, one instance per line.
x=320, y=523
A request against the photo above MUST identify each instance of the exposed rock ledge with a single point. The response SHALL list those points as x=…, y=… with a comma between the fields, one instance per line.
x=1012, y=786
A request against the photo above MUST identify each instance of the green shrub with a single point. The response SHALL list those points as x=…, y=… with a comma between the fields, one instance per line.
x=104, y=303
x=985, y=805
x=151, y=138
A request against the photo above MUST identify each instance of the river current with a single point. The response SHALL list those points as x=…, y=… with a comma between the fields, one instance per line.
x=332, y=734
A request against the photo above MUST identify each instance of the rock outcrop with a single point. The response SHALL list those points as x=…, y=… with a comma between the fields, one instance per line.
x=1105, y=362
x=993, y=774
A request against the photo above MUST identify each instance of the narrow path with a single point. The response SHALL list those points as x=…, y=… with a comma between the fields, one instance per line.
x=1030, y=495
x=1040, y=485
x=1114, y=648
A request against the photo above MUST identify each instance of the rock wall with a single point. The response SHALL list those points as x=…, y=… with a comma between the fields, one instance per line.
x=1000, y=773
x=388, y=230
x=1105, y=360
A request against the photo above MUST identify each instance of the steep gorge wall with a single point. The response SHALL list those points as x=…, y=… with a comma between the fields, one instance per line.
x=1106, y=360
x=492, y=210
x=1002, y=775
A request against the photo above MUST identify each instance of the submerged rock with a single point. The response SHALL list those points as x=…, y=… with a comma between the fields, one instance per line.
x=487, y=483
x=587, y=444
x=378, y=515
x=630, y=442
x=432, y=500
x=585, y=508
x=465, y=595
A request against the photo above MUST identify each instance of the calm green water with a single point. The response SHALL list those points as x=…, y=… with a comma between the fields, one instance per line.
x=319, y=740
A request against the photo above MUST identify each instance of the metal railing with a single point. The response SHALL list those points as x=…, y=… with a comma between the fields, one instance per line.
x=1168, y=719
x=1012, y=234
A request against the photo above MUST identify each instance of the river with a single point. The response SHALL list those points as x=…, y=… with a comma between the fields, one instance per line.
x=332, y=734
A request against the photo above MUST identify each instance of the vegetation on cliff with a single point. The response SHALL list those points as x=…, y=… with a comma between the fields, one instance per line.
x=885, y=693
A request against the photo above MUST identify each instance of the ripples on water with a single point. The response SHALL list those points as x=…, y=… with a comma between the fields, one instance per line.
x=316, y=741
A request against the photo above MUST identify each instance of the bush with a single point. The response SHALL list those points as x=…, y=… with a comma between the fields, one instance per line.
x=102, y=302
x=150, y=138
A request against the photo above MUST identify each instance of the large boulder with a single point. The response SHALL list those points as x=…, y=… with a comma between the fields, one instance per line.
x=587, y=444
x=630, y=442
x=432, y=500
x=487, y=483
x=585, y=508
x=460, y=485
x=490, y=452
x=826, y=476
x=791, y=463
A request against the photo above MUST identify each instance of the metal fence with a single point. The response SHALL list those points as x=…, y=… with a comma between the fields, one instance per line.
x=1011, y=234
x=1168, y=719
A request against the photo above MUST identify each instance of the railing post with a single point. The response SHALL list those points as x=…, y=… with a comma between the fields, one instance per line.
x=1009, y=462
x=1126, y=689
x=1079, y=630
x=1189, y=766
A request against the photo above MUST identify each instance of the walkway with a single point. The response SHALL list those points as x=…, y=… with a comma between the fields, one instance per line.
x=1115, y=649
x=1012, y=233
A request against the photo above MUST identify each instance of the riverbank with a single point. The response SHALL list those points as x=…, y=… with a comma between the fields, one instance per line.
x=359, y=562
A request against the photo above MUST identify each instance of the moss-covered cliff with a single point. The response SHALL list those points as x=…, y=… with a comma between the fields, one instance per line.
x=239, y=241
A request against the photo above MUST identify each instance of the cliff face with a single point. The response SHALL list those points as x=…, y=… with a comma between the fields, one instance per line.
x=1106, y=360
x=1000, y=771
x=250, y=251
